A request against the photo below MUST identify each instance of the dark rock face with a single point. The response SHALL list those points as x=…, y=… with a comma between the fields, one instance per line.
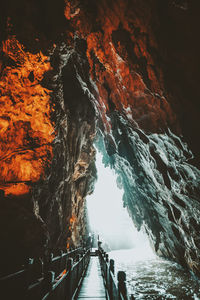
x=47, y=153
x=161, y=188
x=122, y=73
x=73, y=171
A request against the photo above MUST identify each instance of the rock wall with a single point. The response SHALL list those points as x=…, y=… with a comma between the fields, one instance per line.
x=47, y=128
x=123, y=74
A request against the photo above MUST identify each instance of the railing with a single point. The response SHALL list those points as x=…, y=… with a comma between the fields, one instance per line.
x=55, y=277
x=58, y=263
x=67, y=286
x=115, y=288
x=60, y=278
x=13, y=285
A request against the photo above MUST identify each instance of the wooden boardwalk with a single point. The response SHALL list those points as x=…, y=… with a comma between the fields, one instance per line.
x=92, y=286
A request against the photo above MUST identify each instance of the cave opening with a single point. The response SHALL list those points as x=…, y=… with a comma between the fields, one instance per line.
x=109, y=219
x=130, y=249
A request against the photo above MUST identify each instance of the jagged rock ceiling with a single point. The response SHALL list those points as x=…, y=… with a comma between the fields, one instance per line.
x=122, y=74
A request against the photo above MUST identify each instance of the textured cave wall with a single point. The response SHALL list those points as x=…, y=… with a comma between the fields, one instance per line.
x=133, y=67
x=47, y=127
x=73, y=170
x=144, y=61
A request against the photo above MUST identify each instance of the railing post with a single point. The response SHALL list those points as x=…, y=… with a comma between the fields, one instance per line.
x=111, y=271
x=69, y=264
x=36, y=269
x=69, y=282
x=29, y=266
x=121, y=277
x=107, y=272
x=48, y=281
x=112, y=266
x=61, y=266
x=78, y=257
x=48, y=262
x=105, y=268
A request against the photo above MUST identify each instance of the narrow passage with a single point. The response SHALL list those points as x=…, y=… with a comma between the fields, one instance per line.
x=92, y=286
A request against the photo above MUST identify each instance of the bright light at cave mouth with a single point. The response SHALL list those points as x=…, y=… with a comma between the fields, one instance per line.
x=109, y=219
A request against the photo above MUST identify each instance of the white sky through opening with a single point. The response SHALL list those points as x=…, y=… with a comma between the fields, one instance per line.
x=108, y=217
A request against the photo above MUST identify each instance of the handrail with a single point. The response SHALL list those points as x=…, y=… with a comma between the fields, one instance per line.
x=68, y=285
x=39, y=278
x=116, y=289
x=57, y=263
x=47, y=263
x=13, y=275
x=61, y=277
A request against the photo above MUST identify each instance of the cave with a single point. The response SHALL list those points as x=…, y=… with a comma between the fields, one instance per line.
x=121, y=76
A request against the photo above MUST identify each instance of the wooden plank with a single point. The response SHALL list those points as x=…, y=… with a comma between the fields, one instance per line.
x=92, y=286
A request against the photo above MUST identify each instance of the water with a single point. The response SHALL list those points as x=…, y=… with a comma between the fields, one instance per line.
x=149, y=277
